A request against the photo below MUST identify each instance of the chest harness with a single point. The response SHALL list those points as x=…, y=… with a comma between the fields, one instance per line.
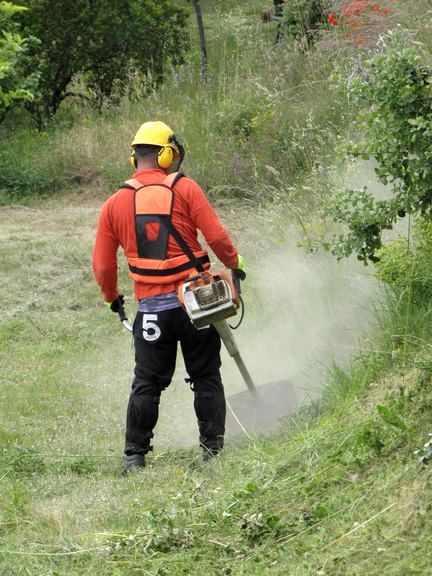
x=153, y=205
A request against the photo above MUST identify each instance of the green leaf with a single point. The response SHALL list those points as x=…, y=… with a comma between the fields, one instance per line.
x=272, y=521
x=391, y=417
x=320, y=512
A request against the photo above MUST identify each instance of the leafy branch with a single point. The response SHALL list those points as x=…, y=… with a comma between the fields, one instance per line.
x=394, y=99
x=13, y=84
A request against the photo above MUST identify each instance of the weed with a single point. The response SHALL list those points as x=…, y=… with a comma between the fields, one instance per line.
x=83, y=466
x=258, y=526
x=23, y=462
x=164, y=532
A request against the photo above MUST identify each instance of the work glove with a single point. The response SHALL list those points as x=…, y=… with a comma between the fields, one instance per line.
x=240, y=271
x=116, y=304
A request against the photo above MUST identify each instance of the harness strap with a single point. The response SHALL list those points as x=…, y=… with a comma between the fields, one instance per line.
x=197, y=262
x=177, y=177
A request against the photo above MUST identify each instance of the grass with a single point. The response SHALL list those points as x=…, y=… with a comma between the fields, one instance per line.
x=343, y=494
x=340, y=490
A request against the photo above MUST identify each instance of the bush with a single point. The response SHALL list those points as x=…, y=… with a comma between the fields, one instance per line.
x=393, y=97
x=14, y=84
x=302, y=19
x=105, y=42
x=406, y=268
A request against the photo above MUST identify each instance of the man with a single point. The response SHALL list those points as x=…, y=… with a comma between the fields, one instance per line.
x=155, y=217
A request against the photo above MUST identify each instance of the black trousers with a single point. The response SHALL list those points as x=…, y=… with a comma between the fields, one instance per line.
x=155, y=337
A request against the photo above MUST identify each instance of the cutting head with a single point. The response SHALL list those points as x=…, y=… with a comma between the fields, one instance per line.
x=261, y=411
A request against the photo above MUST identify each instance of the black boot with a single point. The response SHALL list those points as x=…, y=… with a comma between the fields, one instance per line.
x=210, y=410
x=133, y=462
x=209, y=453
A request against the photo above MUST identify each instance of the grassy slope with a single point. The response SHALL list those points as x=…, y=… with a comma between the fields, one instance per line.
x=338, y=492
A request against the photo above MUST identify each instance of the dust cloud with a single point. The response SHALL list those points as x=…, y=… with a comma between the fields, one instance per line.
x=302, y=313
x=310, y=311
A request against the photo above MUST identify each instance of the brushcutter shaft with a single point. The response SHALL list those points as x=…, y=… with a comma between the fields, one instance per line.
x=231, y=346
x=245, y=373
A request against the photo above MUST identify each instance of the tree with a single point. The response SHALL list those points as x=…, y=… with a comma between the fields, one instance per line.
x=13, y=84
x=104, y=41
x=203, y=46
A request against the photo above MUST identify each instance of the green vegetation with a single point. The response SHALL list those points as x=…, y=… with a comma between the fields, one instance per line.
x=13, y=84
x=303, y=21
x=106, y=43
x=394, y=99
x=344, y=488
x=253, y=127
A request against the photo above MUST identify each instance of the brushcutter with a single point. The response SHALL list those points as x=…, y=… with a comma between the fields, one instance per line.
x=211, y=299
x=123, y=318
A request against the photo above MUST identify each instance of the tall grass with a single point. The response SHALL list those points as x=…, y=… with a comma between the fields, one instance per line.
x=266, y=114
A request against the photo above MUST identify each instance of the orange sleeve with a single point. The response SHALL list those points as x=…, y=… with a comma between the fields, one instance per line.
x=105, y=255
x=206, y=220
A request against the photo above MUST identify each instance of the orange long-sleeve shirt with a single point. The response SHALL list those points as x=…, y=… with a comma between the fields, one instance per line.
x=191, y=212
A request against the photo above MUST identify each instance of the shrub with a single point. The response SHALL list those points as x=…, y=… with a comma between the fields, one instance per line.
x=14, y=85
x=394, y=99
x=406, y=268
x=106, y=42
x=302, y=19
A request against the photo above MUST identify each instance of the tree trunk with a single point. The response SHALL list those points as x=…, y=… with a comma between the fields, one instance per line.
x=204, y=65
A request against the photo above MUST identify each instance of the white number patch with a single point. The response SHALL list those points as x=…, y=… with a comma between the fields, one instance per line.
x=151, y=331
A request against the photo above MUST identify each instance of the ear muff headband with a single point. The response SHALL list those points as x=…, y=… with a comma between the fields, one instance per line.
x=180, y=151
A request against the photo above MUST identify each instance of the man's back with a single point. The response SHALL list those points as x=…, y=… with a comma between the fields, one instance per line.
x=191, y=212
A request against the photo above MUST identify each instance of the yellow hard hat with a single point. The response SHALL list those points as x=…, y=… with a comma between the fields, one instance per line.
x=158, y=134
x=155, y=134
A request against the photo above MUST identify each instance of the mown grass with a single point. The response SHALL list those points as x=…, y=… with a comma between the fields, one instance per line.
x=339, y=492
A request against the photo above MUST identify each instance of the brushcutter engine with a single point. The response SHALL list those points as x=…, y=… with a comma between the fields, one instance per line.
x=209, y=298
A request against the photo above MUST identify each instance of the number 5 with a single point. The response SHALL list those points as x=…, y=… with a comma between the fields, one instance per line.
x=151, y=331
